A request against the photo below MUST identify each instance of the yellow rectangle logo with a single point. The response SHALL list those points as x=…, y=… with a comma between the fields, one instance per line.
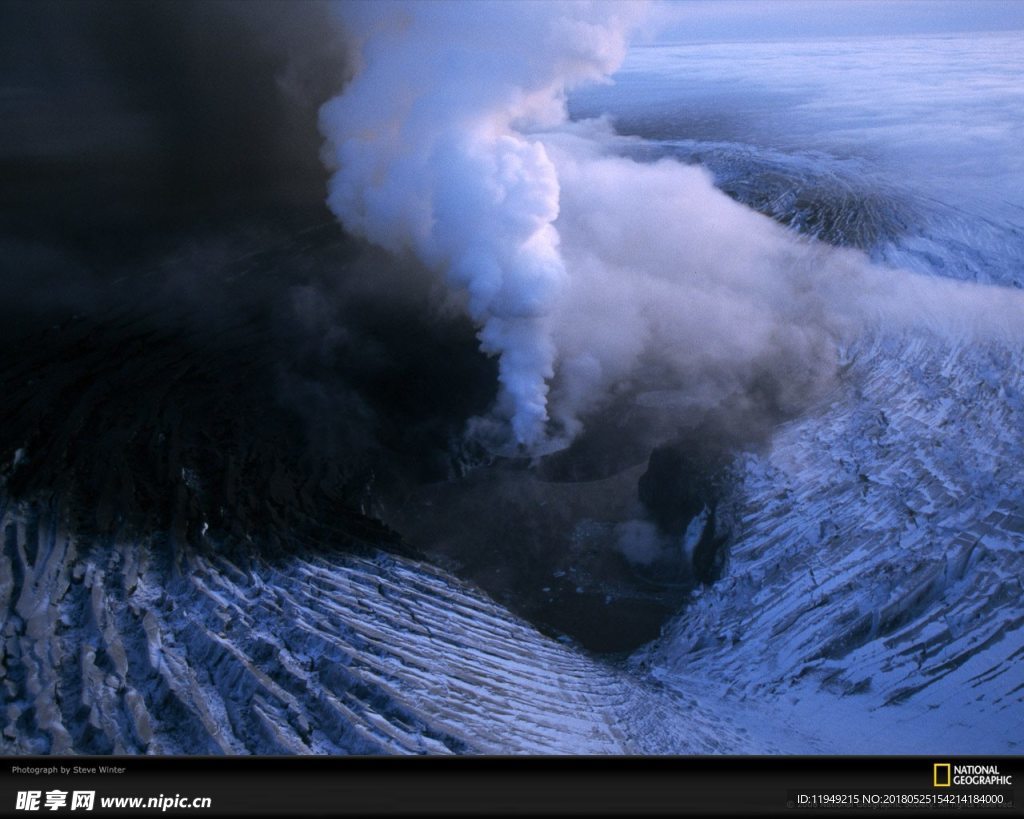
x=942, y=775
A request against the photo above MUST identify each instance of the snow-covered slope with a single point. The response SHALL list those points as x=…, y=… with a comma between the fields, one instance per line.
x=120, y=648
x=874, y=587
x=875, y=577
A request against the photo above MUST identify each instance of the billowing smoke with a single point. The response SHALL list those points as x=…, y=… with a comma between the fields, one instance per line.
x=436, y=155
x=591, y=275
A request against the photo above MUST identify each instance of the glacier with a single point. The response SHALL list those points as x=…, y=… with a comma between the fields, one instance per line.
x=871, y=596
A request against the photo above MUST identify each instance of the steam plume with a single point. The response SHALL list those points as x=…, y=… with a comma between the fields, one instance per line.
x=588, y=273
x=435, y=156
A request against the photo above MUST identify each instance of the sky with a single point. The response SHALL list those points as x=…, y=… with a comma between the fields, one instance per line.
x=724, y=20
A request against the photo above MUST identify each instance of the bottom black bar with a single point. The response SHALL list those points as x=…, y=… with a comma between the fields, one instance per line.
x=343, y=786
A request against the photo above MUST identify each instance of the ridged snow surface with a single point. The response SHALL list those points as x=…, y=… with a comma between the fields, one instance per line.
x=122, y=649
x=874, y=587
x=875, y=580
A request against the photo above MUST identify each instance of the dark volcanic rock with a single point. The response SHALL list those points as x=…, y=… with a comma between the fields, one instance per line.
x=675, y=488
x=547, y=549
x=683, y=482
x=203, y=395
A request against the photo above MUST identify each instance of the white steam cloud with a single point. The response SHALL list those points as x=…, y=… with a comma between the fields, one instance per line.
x=431, y=139
x=589, y=273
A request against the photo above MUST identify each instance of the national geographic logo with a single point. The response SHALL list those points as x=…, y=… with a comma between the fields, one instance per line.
x=946, y=774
